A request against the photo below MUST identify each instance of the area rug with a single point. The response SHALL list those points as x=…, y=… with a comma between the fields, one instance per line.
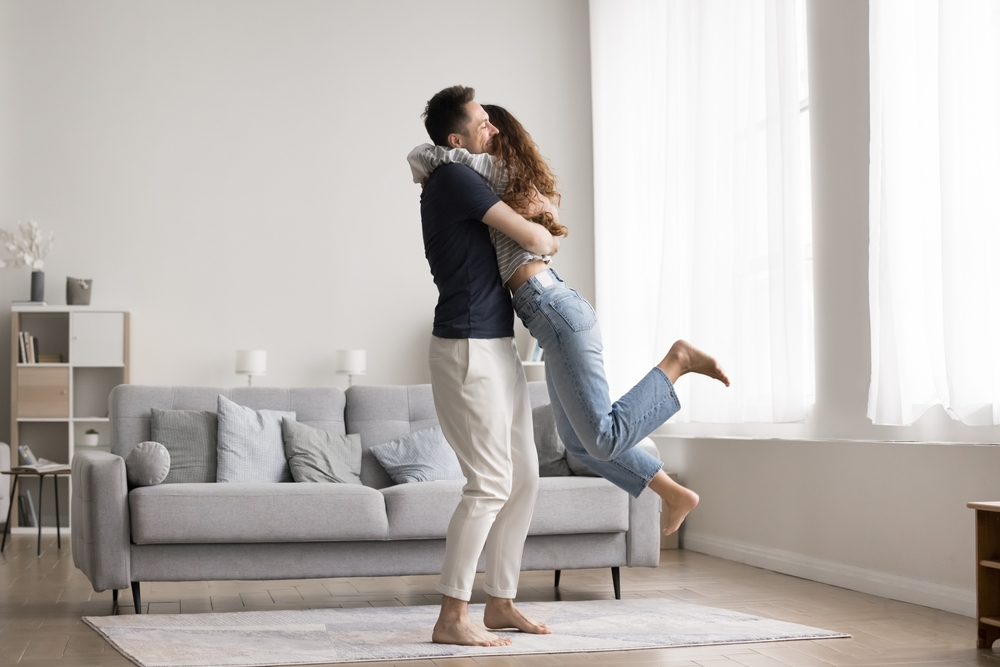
x=302, y=637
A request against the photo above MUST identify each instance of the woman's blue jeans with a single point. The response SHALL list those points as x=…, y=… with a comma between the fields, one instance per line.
x=601, y=434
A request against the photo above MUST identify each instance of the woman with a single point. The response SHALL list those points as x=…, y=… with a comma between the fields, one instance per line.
x=600, y=434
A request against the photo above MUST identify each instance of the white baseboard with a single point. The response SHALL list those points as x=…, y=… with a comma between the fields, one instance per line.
x=937, y=596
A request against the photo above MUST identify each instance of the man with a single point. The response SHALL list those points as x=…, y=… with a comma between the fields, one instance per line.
x=478, y=383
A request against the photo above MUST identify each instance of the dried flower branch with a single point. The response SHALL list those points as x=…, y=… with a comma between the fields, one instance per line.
x=28, y=247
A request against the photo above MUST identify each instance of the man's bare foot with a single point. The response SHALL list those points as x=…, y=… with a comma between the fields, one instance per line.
x=454, y=627
x=501, y=613
x=684, y=357
x=679, y=500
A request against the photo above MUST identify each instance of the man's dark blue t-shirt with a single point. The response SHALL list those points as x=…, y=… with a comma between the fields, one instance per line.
x=472, y=303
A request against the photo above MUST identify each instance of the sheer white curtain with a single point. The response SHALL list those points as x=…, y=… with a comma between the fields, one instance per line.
x=701, y=198
x=935, y=210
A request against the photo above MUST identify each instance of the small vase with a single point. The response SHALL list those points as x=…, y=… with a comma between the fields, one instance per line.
x=90, y=439
x=38, y=286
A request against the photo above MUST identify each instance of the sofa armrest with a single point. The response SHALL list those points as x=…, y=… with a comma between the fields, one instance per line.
x=100, y=519
x=643, y=537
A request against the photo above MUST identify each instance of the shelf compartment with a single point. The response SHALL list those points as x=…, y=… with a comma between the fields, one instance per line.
x=51, y=332
x=46, y=440
x=91, y=388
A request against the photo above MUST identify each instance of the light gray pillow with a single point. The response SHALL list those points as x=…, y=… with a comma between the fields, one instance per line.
x=578, y=467
x=250, y=444
x=190, y=439
x=551, y=450
x=422, y=456
x=315, y=455
x=147, y=464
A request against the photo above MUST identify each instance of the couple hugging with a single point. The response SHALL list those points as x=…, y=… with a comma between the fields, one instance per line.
x=490, y=228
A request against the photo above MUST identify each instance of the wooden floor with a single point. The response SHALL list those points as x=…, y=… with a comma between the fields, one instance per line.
x=42, y=600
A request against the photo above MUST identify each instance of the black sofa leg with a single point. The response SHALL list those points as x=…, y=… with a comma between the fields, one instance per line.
x=114, y=596
x=558, y=574
x=135, y=597
x=616, y=578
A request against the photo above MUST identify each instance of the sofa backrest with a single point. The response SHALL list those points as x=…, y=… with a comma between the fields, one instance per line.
x=383, y=413
x=379, y=413
x=130, y=407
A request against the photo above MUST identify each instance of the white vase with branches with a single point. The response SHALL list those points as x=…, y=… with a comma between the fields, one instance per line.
x=28, y=247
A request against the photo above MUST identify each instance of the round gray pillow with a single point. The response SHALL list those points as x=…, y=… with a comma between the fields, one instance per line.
x=147, y=464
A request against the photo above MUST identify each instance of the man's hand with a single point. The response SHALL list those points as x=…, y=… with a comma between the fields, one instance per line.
x=530, y=236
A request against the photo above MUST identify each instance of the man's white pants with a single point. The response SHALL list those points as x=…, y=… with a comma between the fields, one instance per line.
x=482, y=404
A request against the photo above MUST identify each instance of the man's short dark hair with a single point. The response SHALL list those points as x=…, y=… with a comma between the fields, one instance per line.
x=445, y=113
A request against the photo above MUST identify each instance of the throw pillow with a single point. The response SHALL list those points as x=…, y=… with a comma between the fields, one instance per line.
x=315, y=455
x=551, y=450
x=250, y=444
x=578, y=467
x=147, y=464
x=190, y=439
x=422, y=456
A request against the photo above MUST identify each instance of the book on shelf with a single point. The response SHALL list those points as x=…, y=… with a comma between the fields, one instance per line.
x=50, y=358
x=28, y=348
x=26, y=510
x=29, y=303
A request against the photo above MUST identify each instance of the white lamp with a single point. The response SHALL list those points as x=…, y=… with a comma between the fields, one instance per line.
x=250, y=363
x=351, y=363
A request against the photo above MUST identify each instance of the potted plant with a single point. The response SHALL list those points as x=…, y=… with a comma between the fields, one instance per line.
x=90, y=437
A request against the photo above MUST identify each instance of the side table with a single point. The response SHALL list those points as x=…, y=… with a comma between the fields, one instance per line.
x=17, y=473
x=987, y=572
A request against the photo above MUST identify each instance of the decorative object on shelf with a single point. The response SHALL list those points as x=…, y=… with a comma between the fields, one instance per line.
x=38, y=286
x=28, y=247
x=351, y=363
x=90, y=437
x=250, y=363
x=78, y=291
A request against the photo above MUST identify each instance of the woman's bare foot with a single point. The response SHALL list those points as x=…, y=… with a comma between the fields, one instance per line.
x=684, y=357
x=454, y=627
x=679, y=500
x=501, y=613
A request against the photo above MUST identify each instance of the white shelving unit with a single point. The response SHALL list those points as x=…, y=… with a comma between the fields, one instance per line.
x=53, y=404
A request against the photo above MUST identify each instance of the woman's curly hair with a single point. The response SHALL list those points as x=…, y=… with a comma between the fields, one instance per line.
x=527, y=170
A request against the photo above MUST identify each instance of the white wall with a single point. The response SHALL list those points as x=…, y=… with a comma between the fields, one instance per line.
x=233, y=171
x=876, y=509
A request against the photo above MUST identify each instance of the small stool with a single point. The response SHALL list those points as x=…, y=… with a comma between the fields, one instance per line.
x=65, y=471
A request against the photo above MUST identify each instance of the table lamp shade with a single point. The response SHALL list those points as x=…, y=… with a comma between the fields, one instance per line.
x=352, y=362
x=251, y=362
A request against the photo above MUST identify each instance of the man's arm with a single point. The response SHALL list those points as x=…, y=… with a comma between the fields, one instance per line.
x=529, y=235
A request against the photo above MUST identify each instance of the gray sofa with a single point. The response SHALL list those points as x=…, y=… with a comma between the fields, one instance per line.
x=207, y=532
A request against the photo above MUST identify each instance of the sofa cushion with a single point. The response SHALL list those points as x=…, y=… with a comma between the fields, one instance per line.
x=213, y=513
x=424, y=456
x=250, y=444
x=190, y=439
x=551, y=450
x=565, y=505
x=315, y=455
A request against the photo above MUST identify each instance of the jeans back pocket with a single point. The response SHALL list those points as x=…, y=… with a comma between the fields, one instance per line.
x=573, y=308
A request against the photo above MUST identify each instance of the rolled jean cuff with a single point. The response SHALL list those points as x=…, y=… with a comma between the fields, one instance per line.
x=500, y=593
x=454, y=592
x=643, y=481
x=670, y=385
